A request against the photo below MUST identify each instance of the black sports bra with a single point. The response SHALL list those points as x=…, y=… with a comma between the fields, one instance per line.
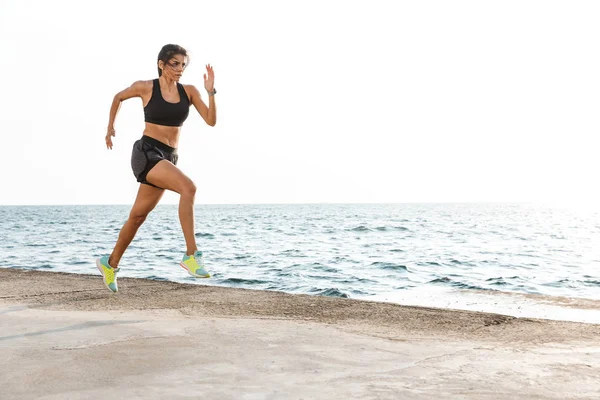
x=161, y=112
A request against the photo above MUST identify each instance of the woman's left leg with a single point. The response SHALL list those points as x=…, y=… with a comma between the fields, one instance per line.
x=146, y=200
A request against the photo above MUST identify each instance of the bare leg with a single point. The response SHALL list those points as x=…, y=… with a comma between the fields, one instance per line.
x=168, y=176
x=147, y=198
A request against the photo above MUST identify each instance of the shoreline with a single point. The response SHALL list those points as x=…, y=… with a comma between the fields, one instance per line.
x=80, y=292
x=273, y=345
x=507, y=303
x=514, y=304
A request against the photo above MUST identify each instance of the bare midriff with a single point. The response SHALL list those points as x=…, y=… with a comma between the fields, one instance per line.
x=168, y=135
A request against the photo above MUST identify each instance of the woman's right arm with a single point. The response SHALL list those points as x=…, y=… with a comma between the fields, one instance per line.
x=137, y=89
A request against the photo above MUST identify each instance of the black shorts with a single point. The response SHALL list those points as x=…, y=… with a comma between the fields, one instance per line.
x=147, y=152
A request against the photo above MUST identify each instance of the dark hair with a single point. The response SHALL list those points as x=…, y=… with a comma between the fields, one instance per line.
x=167, y=52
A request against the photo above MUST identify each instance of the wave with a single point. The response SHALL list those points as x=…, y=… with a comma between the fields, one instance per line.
x=78, y=262
x=363, y=228
x=392, y=228
x=465, y=263
x=360, y=228
x=34, y=267
x=458, y=284
x=157, y=278
x=501, y=281
x=293, y=253
x=205, y=235
x=242, y=281
x=573, y=283
x=354, y=280
x=389, y=266
x=330, y=292
x=325, y=268
x=434, y=263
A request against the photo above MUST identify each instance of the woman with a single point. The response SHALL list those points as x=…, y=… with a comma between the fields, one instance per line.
x=154, y=157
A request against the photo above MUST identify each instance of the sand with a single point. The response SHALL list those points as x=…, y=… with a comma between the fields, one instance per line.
x=66, y=336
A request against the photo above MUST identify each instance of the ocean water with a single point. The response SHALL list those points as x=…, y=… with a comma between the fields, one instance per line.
x=382, y=252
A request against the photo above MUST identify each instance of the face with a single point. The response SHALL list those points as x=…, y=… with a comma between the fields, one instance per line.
x=174, y=68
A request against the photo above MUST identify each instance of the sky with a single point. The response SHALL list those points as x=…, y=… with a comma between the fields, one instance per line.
x=318, y=101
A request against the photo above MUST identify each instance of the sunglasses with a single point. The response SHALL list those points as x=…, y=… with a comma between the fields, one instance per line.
x=176, y=65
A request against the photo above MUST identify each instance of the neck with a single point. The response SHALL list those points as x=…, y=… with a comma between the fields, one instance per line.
x=167, y=81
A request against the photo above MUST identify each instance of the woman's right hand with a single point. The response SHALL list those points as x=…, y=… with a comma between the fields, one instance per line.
x=110, y=132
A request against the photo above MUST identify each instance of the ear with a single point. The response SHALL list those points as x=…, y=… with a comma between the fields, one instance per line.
x=161, y=64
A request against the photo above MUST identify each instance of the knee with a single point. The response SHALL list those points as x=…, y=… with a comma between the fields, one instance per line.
x=137, y=219
x=189, y=189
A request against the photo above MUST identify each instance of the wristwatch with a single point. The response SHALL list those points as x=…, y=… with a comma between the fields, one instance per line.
x=213, y=92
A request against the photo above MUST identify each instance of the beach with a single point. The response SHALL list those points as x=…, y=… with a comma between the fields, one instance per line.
x=66, y=336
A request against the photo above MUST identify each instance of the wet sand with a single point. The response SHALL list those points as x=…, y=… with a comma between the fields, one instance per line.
x=66, y=336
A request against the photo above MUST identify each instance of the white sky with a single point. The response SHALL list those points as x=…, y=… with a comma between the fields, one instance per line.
x=318, y=101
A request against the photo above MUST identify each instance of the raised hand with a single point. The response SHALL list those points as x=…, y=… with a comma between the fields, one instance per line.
x=209, y=81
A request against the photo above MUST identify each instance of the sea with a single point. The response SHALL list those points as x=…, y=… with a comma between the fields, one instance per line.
x=520, y=259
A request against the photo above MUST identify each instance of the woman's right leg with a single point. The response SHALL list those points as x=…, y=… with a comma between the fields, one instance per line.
x=147, y=198
x=167, y=175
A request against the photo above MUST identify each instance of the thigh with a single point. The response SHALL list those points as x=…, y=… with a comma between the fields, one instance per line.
x=147, y=198
x=168, y=176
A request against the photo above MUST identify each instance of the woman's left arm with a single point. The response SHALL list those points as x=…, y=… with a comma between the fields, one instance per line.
x=209, y=114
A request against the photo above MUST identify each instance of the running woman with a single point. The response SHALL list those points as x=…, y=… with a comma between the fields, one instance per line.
x=154, y=157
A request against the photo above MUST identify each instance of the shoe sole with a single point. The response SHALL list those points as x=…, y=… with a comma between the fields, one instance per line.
x=182, y=265
x=99, y=266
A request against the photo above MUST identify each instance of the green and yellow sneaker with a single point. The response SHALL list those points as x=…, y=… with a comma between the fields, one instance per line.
x=108, y=273
x=194, y=265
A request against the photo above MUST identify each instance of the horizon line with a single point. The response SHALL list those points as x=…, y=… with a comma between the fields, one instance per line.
x=305, y=203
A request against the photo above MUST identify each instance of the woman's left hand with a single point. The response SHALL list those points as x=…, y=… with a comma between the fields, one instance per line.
x=209, y=81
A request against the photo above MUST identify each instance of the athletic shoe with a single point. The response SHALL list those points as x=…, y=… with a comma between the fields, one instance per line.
x=194, y=265
x=108, y=273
